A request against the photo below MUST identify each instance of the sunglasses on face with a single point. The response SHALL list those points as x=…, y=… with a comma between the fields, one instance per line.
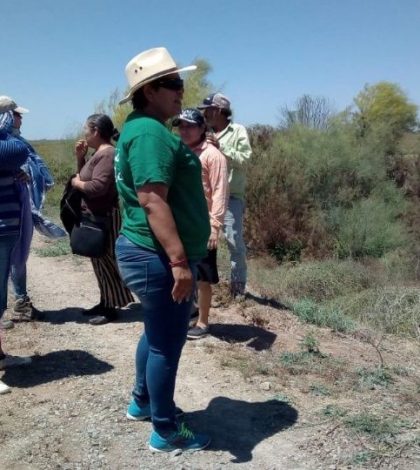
x=17, y=115
x=175, y=84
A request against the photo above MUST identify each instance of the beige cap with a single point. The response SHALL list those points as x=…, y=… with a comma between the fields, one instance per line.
x=7, y=104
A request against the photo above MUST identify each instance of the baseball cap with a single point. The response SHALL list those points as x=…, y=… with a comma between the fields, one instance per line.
x=190, y=115
x=215, y=100
x=7, y=104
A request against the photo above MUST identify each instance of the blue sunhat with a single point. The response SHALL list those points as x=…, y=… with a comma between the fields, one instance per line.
x=191, y=115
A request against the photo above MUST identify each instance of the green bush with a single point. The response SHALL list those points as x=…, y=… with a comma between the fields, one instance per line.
x=320, y=192
x=58, y=155
x=369, y=228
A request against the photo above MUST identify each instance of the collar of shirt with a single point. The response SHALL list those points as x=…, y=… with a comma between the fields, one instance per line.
x=200, y=147
x=227, y=129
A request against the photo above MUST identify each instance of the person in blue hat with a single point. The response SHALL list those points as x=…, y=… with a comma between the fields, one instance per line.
x=192, y=129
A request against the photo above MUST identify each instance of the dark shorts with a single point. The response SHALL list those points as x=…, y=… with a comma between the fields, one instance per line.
x=207, y=268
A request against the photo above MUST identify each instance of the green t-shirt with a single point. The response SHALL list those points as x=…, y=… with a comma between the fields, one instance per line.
x=148, y=153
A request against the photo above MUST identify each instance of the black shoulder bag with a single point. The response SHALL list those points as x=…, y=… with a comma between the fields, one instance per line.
x=90, y=237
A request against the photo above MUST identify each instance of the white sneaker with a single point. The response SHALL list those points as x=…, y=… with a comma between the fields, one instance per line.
x=6, y=324
x=14, y=361
x=4, y=388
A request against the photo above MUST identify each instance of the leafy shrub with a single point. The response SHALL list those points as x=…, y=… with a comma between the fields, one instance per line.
x=314, y=192
x=369, y=228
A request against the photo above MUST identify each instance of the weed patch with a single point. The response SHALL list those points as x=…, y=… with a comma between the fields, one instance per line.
x=309, y=312
x=373, y=378
x=389, y=309
x=59, y=247
x=362, y=457
x=319, y=390
x=373, y=425
x=303, y=362
x=310, y=343
x=333, y=411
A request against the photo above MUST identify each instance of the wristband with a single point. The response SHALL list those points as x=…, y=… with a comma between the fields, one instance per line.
x=182, y=262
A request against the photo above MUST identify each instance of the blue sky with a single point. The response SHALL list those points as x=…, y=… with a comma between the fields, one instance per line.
x=61, y=57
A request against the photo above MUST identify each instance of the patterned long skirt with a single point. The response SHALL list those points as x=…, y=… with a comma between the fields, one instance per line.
x=112, y=289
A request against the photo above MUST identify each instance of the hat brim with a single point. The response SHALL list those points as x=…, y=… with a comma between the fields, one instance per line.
x=21, y=110
x=178, y=120
x=139, y=85
x=205, y=106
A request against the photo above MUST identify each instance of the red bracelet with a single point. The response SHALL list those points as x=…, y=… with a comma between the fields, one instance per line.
x=182, y=262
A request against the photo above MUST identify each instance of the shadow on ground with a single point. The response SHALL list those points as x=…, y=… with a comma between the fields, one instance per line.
x=259, y=339
x=132, y=313
x=270, y=302
x=238, y=426
x=54, y=366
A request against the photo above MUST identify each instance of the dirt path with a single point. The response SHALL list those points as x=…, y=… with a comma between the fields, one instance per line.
x=67, y=410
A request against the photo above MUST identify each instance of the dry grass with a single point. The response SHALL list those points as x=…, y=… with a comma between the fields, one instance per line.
x=365, y=398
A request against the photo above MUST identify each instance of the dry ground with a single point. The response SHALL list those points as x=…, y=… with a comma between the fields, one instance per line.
x=265, y=407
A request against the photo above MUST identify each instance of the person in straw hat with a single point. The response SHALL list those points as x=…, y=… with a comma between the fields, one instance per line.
x=164, y=234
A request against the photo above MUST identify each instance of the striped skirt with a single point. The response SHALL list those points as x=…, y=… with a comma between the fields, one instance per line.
x=112, y=289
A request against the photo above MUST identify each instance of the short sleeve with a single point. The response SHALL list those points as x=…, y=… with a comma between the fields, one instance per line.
x=151, y=160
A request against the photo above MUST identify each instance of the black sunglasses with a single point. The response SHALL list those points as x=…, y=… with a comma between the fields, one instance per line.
x=17, y=114
x=175, y=84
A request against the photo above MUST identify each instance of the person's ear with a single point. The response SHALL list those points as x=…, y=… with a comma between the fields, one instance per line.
x=149, y=92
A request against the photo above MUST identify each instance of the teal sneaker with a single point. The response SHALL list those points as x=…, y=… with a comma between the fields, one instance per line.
x=137, y=413
x=183, y=440
x=140, y=413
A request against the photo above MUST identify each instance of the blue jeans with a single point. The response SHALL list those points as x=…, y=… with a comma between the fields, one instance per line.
x=233, y=230
x=19, y=283
x=148, y=275
x=7, y=242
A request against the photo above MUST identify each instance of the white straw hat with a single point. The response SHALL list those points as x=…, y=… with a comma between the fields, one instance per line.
x=148, y=66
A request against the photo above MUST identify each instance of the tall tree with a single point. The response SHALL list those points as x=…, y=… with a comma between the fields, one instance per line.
x=197, y=85
x=314, y=112
x=385, y=104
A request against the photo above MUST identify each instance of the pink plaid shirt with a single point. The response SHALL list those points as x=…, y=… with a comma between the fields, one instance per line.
x=215, y=182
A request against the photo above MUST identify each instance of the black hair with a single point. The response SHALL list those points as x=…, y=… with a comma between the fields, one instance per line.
x=139, y=100
x=105, y=126
x=227, y=113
